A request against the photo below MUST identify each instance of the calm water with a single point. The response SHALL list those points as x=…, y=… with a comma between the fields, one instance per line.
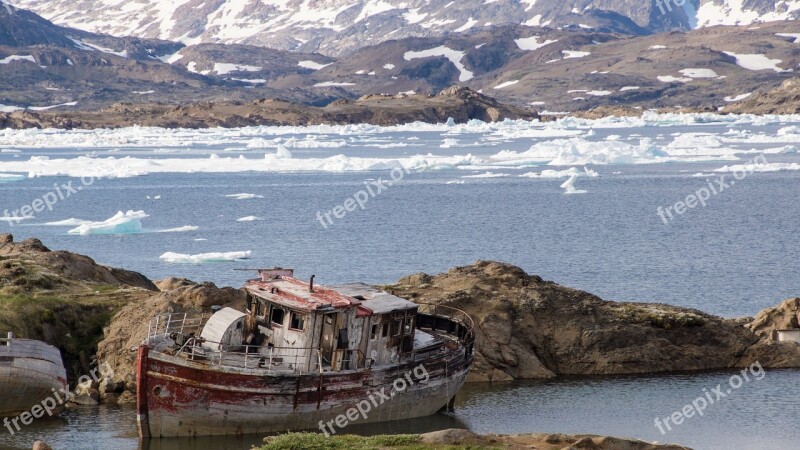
x=759, y=415
x=734, y=257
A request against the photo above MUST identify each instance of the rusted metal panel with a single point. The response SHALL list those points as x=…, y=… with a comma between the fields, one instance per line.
x=29, y=372
x=179, y=404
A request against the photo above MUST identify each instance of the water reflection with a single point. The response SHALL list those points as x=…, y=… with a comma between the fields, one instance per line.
x=758, y=415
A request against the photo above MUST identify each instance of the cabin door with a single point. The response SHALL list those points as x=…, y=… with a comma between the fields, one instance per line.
x=328, y=341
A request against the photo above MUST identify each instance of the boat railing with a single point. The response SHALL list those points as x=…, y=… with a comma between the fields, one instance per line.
x=270, y=358
x=450, y=322
x=164, y=325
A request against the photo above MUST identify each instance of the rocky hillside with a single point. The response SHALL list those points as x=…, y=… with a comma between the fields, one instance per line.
x=46, y=67
x=336, y=27
x=460, y=104
x=62, y=298
x=531, y=328
x=785, y=99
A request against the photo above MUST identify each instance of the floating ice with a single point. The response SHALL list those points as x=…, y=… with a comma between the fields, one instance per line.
x=121, y=223
x=181, y=258
x=8, y=177
x=758, y=167
x=244, y=196
x=283, y=153
x=248, y=219
x=180, y=229
x=71, y=222
x=572, y=171
x=488, y=175
x=569, y=186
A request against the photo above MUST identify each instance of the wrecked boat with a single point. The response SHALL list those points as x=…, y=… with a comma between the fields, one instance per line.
x=300, y=357
x=30, y=371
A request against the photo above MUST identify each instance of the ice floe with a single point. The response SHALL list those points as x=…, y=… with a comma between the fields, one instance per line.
x=244, y=196
x=182, y=258
x=572, y=171
x=488, y=175
x=248, y=219
x=8, y=177
x=569, y=186
x=121, y=223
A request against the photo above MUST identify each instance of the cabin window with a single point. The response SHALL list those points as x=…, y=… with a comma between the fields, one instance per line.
x=396, y=327
x=298, y=322
x=260, y=309
x=385, y=329
x=409, y=327
x=375, y=331
x=276, y=317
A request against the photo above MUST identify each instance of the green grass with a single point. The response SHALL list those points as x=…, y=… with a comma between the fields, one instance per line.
x=317, y=441
x=659, y=318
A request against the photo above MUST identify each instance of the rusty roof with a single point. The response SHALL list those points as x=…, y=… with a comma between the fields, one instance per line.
x=295, y=294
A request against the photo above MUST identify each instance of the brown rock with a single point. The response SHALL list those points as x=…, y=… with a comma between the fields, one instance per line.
x=785, y=315
x=526, y=327
x=39, y=445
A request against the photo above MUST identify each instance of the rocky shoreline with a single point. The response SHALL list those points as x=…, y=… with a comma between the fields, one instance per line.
x=526, y=327
x=459, y=103
x=457, y=438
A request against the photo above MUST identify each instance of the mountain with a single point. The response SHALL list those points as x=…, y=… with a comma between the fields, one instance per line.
x=43, y=65
x=336, y=27
x=611, y=63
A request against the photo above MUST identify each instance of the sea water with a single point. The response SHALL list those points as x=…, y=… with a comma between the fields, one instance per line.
x=201, y=203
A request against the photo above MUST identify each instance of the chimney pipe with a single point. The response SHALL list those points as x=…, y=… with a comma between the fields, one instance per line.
x=311, y=284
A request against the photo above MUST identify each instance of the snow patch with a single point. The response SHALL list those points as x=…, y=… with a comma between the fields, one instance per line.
x=532, y=43
x=454, y=56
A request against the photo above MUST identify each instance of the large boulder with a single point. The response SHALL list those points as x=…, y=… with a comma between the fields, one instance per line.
x=530, y=328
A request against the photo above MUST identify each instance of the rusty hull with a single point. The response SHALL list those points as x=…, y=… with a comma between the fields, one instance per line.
x=180, y=397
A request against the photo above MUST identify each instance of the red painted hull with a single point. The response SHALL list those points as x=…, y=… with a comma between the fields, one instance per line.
x=178, y=397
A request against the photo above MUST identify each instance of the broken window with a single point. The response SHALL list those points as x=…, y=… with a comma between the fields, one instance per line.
x=385, y=329
x=409, y=325
x=374, y=332
x=298, y=322
x=277, y=316
x=396, y=327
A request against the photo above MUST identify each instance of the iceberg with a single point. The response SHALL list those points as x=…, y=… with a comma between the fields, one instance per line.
x=248, y=219
x=569, y=186
x=244, y=196
x=181, y=258
x=121, y=223
x=9, y=177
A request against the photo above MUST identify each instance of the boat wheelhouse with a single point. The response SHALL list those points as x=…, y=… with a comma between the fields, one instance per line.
x=298, y=355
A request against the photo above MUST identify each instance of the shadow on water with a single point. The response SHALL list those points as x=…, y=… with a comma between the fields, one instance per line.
x=760, y=414
x=421, y=425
